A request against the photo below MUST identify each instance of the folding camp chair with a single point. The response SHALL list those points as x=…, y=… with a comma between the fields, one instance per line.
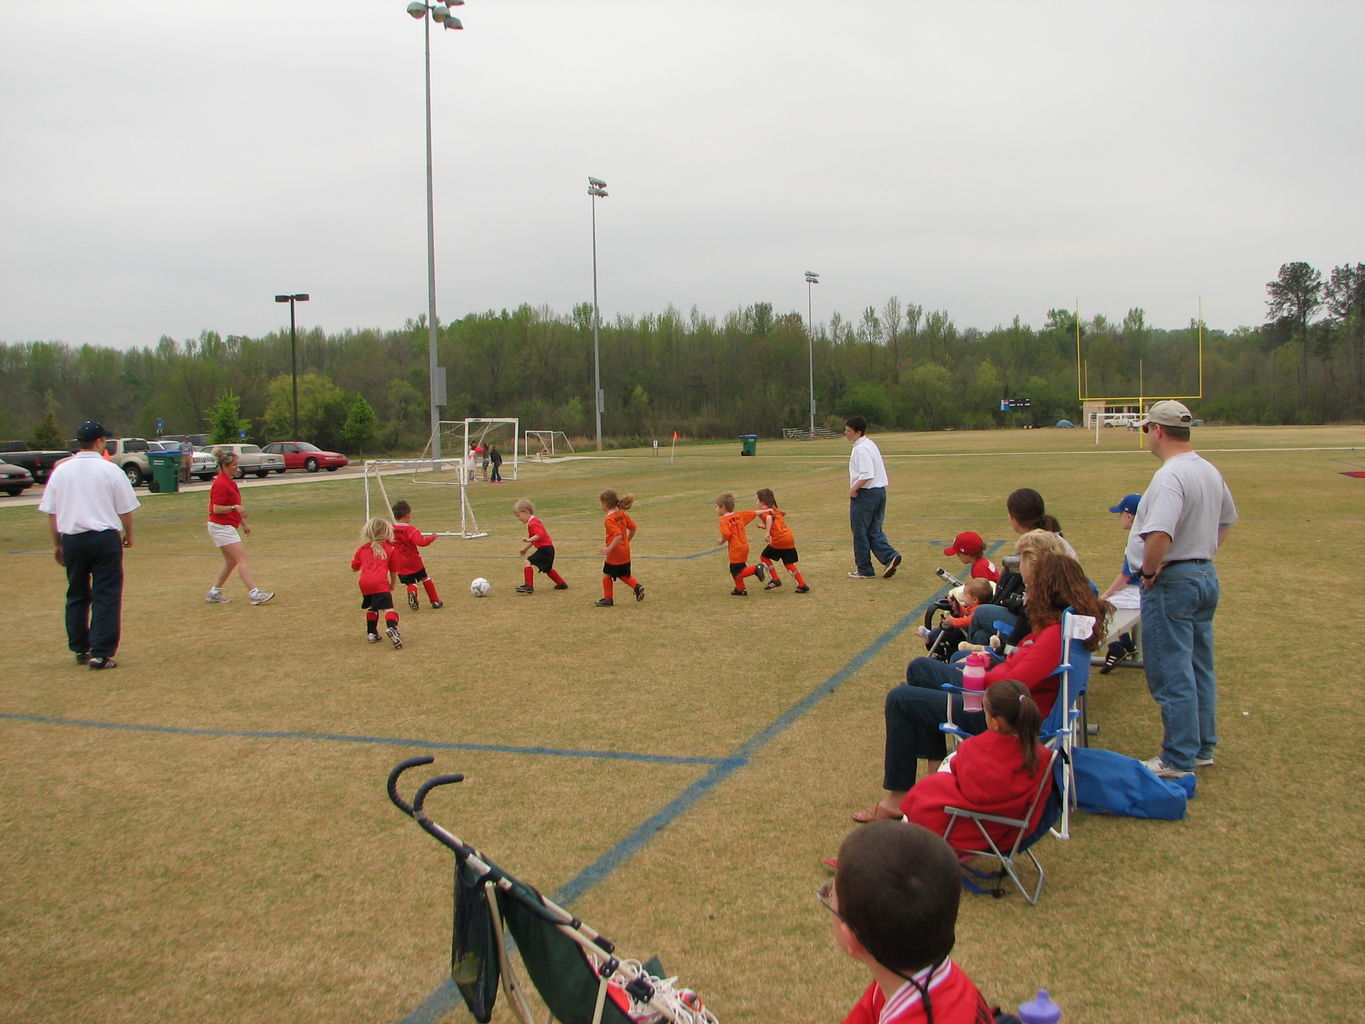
x=575, y=969
x=1021, y=845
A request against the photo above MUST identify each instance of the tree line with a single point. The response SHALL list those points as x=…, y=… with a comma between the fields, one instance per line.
x=900, y=365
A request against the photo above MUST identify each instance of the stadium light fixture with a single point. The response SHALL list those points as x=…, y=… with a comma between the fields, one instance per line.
x=811, y=278
x=293, y=351
x=597, y=189
x=440, y=13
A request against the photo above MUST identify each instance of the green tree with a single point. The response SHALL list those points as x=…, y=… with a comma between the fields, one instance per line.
x=225, y=420
x=361, y=425
x=321, y=406
x=48, y=433
x=1295, y=295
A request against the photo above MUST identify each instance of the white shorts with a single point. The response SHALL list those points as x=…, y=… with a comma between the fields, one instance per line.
x=224, y=535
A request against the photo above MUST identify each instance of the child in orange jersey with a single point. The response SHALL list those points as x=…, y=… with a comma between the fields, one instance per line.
x=734, y=532
x=781, y=544
x=616, y=551
x=407, y=560
x=374, y=561
x=543, y=557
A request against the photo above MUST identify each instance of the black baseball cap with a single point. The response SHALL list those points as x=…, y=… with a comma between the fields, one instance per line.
x=90, y=430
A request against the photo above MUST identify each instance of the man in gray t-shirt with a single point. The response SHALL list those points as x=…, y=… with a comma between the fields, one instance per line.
x=1184, y=514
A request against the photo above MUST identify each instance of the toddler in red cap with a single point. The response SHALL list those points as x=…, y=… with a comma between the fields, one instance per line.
x=970, y=550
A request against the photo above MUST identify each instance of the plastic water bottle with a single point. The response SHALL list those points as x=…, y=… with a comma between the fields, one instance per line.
x=1040, y=1010
x=974, y=680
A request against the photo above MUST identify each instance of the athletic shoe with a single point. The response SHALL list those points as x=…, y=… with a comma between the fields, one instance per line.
x=1204, y=762
x=261, y=596
x=82, y=659
x=217, y=597
x=1165, y=771
x=438, y=604
x=856, y=575
x=372, y=637
x=605, y=602
x=739, y=593
x=412, y=599
x=803, y=590
x=561, y=586
x=773, y=584
x=1117, y=652
x=923, y=633
x=392, y=631
x=639, y=589
x=102, y=663
x=760, y=573
x=891, y=567
x=526, y=588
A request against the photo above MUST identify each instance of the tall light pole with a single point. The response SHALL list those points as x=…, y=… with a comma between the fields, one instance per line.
x=440, y=12
x=293, y=352
x=811, y=278
x=597, y=189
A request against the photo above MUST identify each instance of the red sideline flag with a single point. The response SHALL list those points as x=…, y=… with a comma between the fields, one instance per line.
x=675, y=435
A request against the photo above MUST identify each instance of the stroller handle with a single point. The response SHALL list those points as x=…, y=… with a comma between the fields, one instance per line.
x=420, y=797
x=398, y=770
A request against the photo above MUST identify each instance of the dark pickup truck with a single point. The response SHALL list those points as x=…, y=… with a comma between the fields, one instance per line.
x=38, y=463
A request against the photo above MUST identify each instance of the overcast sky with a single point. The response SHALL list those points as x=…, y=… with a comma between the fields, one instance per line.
x=168, y=167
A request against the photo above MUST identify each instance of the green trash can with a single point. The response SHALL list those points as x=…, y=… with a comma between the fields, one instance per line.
x=165, y=472
x=749, y=443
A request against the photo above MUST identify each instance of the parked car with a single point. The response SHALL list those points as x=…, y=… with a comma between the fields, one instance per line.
x=305, y=455
x=14, y=480
x=250, y=459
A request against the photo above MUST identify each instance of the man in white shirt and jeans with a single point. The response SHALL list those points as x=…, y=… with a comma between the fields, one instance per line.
x=1180, y=523
x=88, y=501
x=867, y=484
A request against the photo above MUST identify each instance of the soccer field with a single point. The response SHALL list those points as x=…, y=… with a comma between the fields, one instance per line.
x=203, y=834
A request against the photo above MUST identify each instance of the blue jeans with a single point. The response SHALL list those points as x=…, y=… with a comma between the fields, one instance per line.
x=866, y=513
x=1177, y=651
x=982, y=626
x=913, y=713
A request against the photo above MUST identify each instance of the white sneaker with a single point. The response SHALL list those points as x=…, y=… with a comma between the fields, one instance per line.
x=923, y=632
x=261, y=596
x=1164, y=771
x=1204, y=762
x=217, y=597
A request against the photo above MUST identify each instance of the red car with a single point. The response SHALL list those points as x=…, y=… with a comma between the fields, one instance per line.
x=303, y=455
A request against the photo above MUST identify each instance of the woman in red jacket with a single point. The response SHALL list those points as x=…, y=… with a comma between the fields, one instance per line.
x=914, y=710
x=996, y=772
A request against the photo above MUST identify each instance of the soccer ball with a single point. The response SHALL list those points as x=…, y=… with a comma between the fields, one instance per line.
x=480, y=587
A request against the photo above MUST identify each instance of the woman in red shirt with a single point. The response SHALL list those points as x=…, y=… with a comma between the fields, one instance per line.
x=227, y=515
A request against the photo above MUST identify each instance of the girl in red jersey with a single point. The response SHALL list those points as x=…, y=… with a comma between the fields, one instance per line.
x=616, y=551
x=781, y=544
x=374, y=561
x=407, y=561
x=734, y=533
x=996, y=772
x=543, y=557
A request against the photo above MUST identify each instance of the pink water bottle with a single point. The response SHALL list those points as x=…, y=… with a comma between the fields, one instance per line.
x=974, y=680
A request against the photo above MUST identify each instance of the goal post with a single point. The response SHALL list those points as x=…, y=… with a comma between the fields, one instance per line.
x=545, y=444
x=459, y=437
x=450, y=472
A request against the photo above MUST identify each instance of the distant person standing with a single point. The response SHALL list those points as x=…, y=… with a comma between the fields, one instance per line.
x=867, y=483
x=1178, y=527
x=88, y=500
x=186, y=460
x=495, y=457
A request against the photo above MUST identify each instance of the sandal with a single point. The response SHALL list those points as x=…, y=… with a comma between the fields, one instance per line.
x=876, y=813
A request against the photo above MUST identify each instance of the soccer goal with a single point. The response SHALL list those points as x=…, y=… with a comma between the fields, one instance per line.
x=461, y=439
x=546, y=444
x=451, y=473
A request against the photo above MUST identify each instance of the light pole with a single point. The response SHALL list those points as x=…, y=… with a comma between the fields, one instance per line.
x=293, y=352
x=811, y=278
x=439, y=12
x=597, y=189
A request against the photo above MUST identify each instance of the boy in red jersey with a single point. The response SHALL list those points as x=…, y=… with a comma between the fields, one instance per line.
x=781, y=545
x=734, y=533
x=374, y=561
x=894, y=903
x=407, y=560
x=616, y=551
x=543, y=557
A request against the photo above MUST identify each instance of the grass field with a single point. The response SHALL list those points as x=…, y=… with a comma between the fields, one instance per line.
x=203, y=834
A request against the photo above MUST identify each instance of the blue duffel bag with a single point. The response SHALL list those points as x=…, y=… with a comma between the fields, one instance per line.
x=1110, y=783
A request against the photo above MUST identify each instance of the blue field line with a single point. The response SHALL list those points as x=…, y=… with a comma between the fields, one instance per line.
x=446, y=996
x=389, y=741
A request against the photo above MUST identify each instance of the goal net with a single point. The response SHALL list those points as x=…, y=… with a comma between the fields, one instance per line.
x=546, y=444
x=471, y=440
x=451, y=473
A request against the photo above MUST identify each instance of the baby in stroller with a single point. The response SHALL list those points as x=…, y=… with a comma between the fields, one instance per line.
x=960, y=603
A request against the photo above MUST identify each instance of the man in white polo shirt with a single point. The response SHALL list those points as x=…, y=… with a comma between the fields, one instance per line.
x=867, y=482
x=1180, y=523
x=88, y=501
